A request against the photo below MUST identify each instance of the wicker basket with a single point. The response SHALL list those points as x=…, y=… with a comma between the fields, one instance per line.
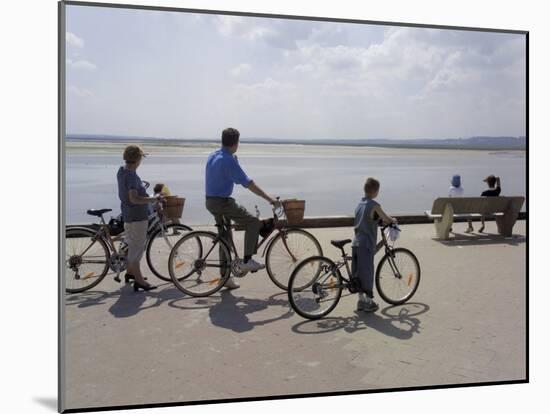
x=173, y=207
x=294, y=211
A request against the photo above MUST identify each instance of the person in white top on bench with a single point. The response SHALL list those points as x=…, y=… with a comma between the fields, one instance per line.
x=456, y=190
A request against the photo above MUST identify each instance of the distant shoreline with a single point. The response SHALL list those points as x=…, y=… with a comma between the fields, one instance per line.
x=162, y=142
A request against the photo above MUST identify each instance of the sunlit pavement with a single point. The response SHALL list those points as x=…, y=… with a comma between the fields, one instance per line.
x=466, y=324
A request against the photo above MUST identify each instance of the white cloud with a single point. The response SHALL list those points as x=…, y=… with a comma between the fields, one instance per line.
x=81, y=64
x=277, y=33
x=311, y=79
x=304, y=68
x=242, y=27
x=80, y=92
x=265, y=93
x=241, y=69
x=411, y=62
x=74, y=40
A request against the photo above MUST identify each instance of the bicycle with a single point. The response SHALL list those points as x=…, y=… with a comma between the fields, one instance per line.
x=198, y=275
x=91, y=253
x=316, y=284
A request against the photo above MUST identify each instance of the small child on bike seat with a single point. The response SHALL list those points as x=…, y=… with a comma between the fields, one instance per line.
x=363, y=247
x=161, y=189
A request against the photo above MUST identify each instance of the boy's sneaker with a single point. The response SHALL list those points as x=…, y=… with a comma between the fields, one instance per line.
x=367, y=305
x=251, y=266
x=231, y=284
x=469, y=229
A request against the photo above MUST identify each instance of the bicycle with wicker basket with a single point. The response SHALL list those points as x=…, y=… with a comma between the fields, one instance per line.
x=203, y=271
x=91, y=252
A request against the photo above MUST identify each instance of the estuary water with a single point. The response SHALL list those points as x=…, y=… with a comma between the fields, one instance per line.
x=329, y=178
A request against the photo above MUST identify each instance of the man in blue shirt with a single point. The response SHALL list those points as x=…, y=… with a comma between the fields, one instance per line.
x=222, y=173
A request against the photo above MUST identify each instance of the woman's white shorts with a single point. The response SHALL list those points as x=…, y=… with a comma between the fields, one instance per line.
x=135, y=234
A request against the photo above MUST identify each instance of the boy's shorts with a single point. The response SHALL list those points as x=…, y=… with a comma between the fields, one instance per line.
x=362, y=267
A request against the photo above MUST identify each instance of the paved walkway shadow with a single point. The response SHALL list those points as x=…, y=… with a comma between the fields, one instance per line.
x=226, y=310
x=127, y=302
x=390, y=324
x=231, y=312
x=481, y=239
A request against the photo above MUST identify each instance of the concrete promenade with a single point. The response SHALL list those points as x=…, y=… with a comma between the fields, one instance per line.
x=466, y=324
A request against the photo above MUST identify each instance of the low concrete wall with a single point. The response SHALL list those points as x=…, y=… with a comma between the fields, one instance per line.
x=347, y=221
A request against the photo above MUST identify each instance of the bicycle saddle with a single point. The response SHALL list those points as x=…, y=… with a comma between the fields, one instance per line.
x=98, y=213
x=340, y=243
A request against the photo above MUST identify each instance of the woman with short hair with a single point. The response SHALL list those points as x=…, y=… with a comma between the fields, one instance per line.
x=134, y=203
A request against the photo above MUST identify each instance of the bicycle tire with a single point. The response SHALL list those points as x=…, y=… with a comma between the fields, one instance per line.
x=306, y=298
x=182, y=277
x=411, y=280
x=72, y=233
x=163, y=274
x=280, y=272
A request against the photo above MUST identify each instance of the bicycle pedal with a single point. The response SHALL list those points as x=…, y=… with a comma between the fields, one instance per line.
x=117, y=279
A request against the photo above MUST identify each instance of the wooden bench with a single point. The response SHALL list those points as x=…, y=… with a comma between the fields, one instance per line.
x=445, y=209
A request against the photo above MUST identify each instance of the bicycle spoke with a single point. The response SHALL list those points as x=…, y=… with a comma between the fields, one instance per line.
x=287, y=250
x=314, y=291
x=398, y=277
x=197, y=272
x=162, y=241
x=86, y=260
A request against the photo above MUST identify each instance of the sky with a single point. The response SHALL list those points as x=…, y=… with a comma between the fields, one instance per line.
x=189, y=75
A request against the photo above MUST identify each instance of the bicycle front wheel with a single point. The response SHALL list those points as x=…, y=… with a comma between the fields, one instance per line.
x=200, y=263
x=397, y=276
x=160, y=245
x=86, y=259
x=286, y=250
x=315, y=287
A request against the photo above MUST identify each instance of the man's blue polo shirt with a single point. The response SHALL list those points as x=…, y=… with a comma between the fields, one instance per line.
x=222, y=172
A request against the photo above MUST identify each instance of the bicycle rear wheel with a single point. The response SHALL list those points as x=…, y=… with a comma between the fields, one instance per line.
x=286, y=250
x=315, y=287
x=200, y=263
x=397, y=276
x=160, y=245
x=86, y=259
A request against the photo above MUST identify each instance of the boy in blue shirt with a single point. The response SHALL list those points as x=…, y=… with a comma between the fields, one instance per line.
x=363, y=247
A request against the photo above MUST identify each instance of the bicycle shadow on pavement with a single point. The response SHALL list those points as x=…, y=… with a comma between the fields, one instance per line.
x=126, y=302
x=396, y=321
x=232, y=312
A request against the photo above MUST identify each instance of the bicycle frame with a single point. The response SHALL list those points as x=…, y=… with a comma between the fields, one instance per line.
x=225, y=228
x=343, y=263
x=154, y=221
x=268, y=238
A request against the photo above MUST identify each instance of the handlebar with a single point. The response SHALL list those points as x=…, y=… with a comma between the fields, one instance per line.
x=277, y=209
x=384, y=226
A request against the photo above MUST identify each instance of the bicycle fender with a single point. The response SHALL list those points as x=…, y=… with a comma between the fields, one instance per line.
x=269, y=243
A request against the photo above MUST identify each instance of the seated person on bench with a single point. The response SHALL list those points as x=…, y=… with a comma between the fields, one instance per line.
x=491, y=192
